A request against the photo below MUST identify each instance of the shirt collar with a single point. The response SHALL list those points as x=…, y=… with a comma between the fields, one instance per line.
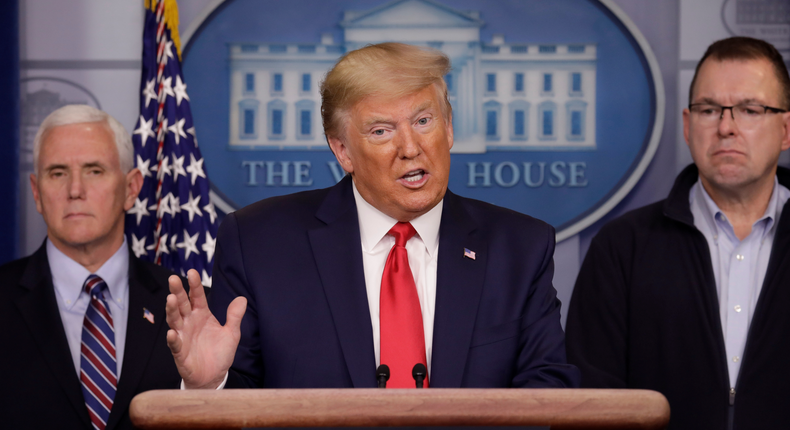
x=710, y=210
x=374, y=224
x=68, y=276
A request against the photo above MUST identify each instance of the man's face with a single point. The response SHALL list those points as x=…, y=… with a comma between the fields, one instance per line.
x=398, y=152
x=80, y=189
x=731, y=157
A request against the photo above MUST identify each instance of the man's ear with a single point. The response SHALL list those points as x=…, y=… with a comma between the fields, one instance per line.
x=340, y=149
x=134, y=183
x=786, y=136
x=686, y=124
x=34, y=187
x=450, y=130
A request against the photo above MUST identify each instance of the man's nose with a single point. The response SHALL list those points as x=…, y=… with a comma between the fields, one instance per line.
x=76, y=187
x=410, y=144
x=727, y=126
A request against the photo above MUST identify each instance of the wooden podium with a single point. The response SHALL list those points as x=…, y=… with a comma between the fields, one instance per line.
x=558, y=408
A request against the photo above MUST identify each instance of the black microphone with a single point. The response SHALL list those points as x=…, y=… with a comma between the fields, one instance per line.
x=419, y=372
x=382, y=375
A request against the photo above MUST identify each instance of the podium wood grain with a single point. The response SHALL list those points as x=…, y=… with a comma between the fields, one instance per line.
x=558, y=408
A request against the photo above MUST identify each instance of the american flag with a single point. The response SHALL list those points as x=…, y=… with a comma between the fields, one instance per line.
x=173, y=222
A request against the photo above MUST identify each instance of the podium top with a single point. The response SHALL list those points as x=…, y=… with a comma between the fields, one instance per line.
x=558, y=408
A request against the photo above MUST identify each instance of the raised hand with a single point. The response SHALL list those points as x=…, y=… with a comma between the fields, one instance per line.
x=202, y=348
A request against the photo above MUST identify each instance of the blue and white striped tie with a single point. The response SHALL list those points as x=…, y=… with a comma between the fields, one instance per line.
x=97, y=364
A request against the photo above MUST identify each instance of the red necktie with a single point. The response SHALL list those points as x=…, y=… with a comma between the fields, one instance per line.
x=402, y=333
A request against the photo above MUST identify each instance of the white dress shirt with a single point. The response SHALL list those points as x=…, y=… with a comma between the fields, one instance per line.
x=423, y=250
x=739, y=266
x=68, y=278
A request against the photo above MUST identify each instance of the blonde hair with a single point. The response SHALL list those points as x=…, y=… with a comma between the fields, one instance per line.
x=386, y=69
x=78, y=114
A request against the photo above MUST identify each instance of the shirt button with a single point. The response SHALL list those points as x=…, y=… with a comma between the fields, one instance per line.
x=736, y=359
x=737, y=308
x=118, y=300
x=739, y=257
x=68, y=302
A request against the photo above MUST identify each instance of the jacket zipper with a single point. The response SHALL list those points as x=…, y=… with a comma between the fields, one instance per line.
x=731, y=410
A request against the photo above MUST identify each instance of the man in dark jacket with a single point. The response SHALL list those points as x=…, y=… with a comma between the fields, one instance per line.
x=689, y=296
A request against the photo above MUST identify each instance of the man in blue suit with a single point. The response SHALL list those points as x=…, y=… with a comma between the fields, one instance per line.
x=318, y=273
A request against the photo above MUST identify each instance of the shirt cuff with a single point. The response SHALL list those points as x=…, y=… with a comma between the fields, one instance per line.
x=221, y=386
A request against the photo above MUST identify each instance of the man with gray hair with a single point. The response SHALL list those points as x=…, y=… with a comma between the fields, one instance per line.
x=82, y=318
x=388, y=268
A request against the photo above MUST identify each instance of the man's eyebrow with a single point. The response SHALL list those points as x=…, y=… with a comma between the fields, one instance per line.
x=749, y=100
x=376, y=120
x=424, y=106
x=52, y=167
x=92, y=164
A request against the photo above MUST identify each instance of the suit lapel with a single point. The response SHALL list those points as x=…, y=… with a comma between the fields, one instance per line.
x=141, y=335
x=459, y=284
x=338, y=255
x=39, y=309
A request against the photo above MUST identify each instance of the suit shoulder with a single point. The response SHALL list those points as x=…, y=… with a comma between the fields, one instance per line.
x=14, y=269
x=494, y=217
x=154, y=269
x=288, y=205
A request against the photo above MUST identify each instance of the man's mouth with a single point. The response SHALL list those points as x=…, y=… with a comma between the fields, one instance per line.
x=414, y=176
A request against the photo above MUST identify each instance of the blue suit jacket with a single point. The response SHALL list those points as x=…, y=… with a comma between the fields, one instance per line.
x=41, y=388
x=298, y=261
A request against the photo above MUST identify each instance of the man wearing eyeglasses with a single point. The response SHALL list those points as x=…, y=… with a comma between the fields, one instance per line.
x=690, y=296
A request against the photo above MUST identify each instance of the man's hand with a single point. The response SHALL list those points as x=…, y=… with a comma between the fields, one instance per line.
x=203, y=349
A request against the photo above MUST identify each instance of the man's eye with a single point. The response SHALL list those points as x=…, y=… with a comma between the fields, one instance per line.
x=750, y=110
x=422, y=121
x=379, y=132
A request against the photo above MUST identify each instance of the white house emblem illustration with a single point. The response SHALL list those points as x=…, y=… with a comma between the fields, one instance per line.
x=506, y=96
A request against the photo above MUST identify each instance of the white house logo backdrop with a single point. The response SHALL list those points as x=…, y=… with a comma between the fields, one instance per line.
x=557, y=106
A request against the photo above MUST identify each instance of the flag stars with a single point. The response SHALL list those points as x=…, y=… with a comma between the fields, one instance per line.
x=166, y=89
x=208, y=246
x=175, y=204
x=178, y=130
x=178, y=167
x=195, y=168
x=205, y=279
x=138, y=245
x=212, y=213
x=162, y=129
x=173, y=245
x=139, y=209
x=192, y=206
x=180, y=91
x=149, y=92
x=164, y=168
x=142, y=166
x=189, y=244
x=162, y=248
x=168, y=50
x=191, y=130
x=145, y=130
x=164, y=207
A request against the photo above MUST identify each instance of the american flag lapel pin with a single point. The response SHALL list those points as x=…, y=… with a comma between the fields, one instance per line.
x=148, y=315
x=468, y=253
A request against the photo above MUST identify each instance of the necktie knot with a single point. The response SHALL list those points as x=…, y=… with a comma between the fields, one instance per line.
x=402, y=232
x=95, y=286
